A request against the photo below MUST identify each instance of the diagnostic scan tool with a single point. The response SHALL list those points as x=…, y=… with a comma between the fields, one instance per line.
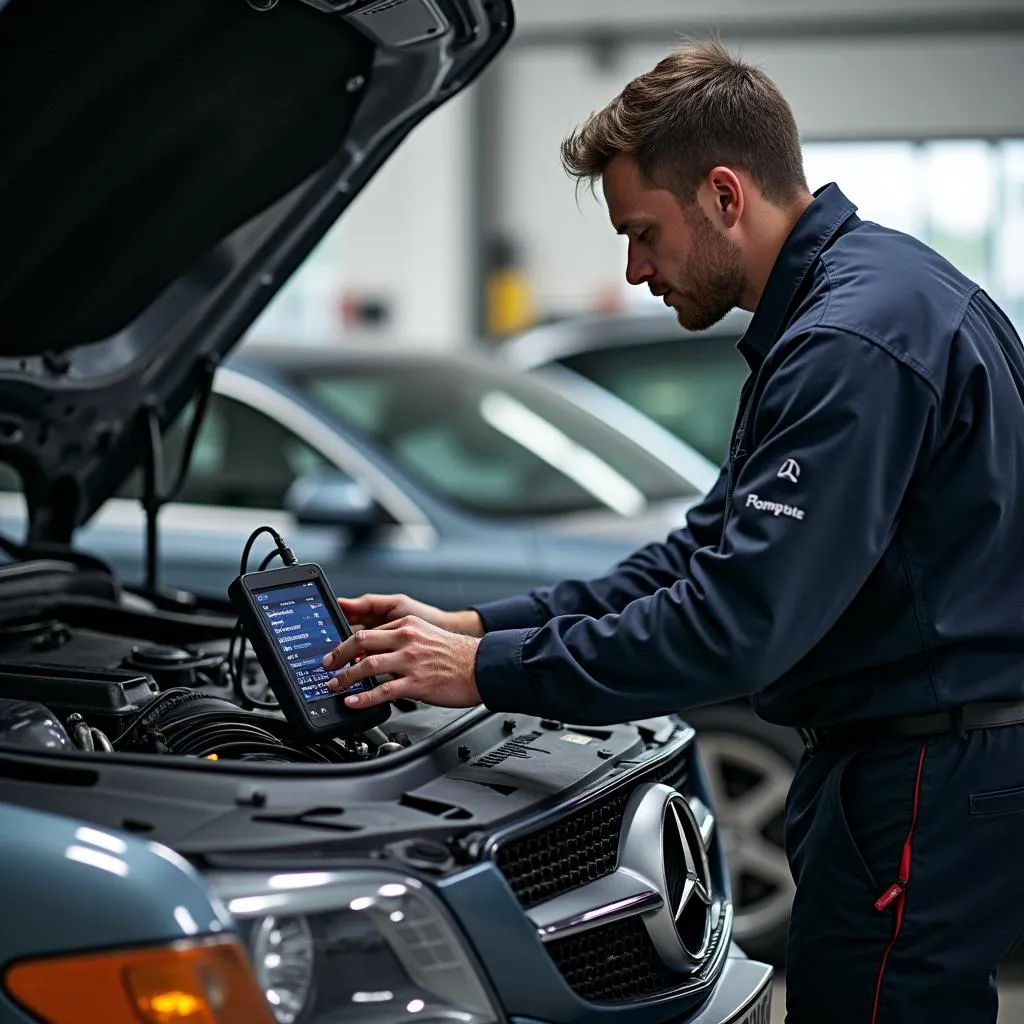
x=292, y=620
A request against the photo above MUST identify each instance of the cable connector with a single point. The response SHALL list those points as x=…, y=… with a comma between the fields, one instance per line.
x=286, y=553
x=282, y=549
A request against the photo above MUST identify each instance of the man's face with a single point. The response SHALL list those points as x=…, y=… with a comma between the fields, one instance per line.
x=675, y=251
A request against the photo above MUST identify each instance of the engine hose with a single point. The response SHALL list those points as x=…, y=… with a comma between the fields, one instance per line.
x=165, y=702
x=81, y=735
x=198, y=740
x=240, y=747
x=219, y=726
x=219, y=716
x=331, y=753
x=100, y=740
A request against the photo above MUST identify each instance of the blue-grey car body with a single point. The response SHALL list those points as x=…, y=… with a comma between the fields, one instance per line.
x=71, y=886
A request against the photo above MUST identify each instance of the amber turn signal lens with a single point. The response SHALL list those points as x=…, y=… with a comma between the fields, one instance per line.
x=203, y=981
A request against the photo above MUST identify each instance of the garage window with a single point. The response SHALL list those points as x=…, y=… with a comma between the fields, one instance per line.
x=965, y=198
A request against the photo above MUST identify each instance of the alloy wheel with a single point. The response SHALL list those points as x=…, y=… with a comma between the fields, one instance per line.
x=749, y=781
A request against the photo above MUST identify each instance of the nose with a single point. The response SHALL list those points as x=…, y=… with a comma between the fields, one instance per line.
x=638, y=268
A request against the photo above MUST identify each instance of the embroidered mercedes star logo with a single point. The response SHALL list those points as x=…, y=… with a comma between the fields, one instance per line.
x=789, y=470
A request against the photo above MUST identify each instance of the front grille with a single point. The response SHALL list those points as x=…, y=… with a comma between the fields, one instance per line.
x=614, y=964
x=581, y=847
x=617, y=963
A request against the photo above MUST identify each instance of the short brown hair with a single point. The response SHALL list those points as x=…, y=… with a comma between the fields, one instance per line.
x=696, y=109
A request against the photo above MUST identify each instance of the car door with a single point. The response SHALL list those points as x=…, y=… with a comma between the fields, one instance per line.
x=245, y=460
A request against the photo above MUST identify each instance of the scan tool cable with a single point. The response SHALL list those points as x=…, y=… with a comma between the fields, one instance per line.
x=236, y=663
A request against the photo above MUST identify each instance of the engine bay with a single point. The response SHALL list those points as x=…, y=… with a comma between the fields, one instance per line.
x=115, y=693
x=123, y=710
x=83, y=674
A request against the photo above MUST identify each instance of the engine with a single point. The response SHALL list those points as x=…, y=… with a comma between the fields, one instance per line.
x=66, y=684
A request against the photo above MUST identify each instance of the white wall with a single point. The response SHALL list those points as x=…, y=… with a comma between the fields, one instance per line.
x=407, y=236
x=551, y=13
x=907, y=86
x=404, y=240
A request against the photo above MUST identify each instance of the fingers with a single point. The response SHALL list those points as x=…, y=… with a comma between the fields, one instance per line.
x=426, y=662
x=376, y=652
x=388, y=691
x=372, y=665
x=346, y=651
x=371, y=609
x=364, y=642
x=370, y=651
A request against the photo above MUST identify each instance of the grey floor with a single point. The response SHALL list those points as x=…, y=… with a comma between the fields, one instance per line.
x=1011, y=997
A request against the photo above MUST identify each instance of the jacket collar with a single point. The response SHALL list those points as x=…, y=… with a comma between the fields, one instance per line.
x=817, y=226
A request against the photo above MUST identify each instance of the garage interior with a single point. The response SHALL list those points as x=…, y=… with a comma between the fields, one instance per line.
x=458, y=396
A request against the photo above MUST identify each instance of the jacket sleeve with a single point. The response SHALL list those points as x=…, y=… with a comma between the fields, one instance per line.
x=835, y=437
x=648, y=570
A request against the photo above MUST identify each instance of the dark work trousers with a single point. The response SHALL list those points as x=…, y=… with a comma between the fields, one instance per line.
x=908, y=857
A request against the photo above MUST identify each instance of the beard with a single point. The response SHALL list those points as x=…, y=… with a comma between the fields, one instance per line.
x=713, y=276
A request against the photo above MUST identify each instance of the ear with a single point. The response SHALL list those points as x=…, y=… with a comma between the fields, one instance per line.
x=725, y=196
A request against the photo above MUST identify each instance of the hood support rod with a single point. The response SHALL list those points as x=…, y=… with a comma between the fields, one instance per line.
x=154, y=497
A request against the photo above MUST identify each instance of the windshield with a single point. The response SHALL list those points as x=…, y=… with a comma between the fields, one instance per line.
x=496, y=444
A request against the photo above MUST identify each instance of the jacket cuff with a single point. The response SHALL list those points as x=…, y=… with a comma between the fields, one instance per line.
x=520, y=612
x=500, y=677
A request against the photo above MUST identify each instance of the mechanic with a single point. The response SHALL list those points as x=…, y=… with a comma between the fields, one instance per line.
x=858, y=569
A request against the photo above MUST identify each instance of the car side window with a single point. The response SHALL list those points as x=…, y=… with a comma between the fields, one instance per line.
x=9, y=480
x=691, y=387
x=242, y=458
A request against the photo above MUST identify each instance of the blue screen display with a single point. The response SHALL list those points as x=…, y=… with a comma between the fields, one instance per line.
x=304, y=630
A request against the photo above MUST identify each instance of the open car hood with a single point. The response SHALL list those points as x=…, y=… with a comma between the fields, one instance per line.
x=167, y=165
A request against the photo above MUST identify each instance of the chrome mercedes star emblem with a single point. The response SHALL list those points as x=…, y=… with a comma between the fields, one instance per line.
x=661, y=845
x=684, y=849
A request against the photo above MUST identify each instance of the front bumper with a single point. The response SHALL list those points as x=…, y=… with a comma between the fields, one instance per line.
x=743, y=995
x=529, y=988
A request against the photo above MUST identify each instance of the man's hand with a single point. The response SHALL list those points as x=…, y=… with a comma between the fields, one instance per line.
x=373, y=610
x=428, y=663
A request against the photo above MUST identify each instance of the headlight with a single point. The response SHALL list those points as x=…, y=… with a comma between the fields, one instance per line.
x=350, y=946
x=285, y=960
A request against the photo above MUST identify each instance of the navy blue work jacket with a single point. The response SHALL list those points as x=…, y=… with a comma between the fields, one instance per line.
x=862, y=553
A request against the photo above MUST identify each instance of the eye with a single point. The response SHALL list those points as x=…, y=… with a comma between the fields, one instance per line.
x=644, y=236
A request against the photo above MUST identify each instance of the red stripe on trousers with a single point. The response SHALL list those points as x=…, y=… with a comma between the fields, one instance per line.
x=898, y=890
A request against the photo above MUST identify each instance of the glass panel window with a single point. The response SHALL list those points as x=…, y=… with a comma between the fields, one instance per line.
x=880, y=177
x=242, y=458
x=9, y=479
x=964, y=198
x=1009, y=244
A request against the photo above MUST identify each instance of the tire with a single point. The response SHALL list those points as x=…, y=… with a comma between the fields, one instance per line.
x=750, y=764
